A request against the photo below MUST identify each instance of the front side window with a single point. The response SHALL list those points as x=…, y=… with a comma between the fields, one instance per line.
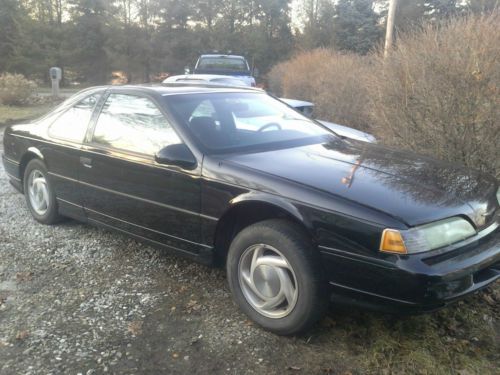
x=233, y=121
x=133, y=123
x=72, y=124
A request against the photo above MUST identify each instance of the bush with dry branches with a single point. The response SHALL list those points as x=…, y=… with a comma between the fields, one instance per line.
x=438, y=92
x=333, y=81
x=15, y=89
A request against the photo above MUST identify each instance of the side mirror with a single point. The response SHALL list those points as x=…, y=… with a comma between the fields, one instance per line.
x=176, y=154
x=255, y=72
x=187, y=70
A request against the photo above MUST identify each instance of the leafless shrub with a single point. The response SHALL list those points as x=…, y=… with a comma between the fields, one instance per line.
x=438, y=92
x=333, y=81
x=275, y=78
x=15, y=89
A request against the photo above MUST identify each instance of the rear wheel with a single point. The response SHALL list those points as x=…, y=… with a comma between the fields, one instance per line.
x=275, y=276
x=39, y=193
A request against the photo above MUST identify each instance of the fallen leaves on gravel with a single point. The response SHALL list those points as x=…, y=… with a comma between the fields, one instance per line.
x=21, y=335
x=489, y=299
x=192, y=305
x=135, y=327
x=24, y=276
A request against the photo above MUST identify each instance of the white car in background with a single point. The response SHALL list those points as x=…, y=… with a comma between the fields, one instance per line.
x=344, y=131
x=208, y=78
x=302, y=106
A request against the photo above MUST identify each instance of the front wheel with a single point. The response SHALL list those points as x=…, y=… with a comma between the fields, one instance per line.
x=275, y=276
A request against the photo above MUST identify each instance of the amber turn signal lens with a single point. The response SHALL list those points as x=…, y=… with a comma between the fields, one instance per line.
x=392, y=242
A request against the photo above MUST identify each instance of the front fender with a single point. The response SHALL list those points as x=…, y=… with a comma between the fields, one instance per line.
x=278, y=202
x=35, y=151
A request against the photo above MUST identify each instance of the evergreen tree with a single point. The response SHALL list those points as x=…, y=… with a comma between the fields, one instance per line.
x=12, y=18
x=356, y=26
x=89, y=37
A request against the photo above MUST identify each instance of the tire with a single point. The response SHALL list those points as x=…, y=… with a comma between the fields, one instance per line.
x=277, y=258
x=36, y=193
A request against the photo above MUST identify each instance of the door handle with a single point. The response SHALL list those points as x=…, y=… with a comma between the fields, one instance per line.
x=86, y=162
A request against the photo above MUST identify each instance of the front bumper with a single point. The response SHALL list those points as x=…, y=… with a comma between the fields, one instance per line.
x=415, y=283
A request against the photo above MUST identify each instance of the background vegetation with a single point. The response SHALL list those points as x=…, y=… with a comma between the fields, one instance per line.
x=90, y=39
x=438, y=92
x=15, y=89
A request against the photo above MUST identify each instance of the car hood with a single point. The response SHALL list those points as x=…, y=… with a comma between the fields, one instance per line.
x=412, y=188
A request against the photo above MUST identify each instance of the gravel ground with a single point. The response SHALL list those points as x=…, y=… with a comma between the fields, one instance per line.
x=82, y=300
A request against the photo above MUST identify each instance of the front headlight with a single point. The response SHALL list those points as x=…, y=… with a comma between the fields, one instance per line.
x=426, y=237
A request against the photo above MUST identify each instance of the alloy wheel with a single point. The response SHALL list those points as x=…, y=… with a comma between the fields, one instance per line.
x=268, y=281
x=38, y=192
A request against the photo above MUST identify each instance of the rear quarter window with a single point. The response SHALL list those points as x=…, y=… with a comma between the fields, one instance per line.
x=72, y=124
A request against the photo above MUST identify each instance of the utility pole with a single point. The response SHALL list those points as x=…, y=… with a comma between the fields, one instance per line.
x=389, y=32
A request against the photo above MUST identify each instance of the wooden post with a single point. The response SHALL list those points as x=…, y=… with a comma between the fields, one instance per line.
x=389, y=32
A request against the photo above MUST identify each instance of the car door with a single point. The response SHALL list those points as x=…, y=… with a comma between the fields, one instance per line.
x=123, y=185
x=66, y=130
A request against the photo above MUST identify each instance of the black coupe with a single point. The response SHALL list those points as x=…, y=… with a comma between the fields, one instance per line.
x=296, y=213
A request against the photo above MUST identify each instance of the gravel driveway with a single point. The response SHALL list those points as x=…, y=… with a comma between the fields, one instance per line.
x=82, y=300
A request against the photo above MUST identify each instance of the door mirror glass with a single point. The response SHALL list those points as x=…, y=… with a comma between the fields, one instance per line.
x=176, y=154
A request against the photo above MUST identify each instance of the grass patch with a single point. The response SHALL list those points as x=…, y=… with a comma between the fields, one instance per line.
x=11, y=114
x=460, y=339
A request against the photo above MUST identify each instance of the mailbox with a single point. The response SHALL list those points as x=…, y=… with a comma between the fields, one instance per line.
x=55, y=73
x=55, y=76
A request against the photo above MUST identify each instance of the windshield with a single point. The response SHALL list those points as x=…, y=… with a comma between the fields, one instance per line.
x=231, y=121
x=222, y=63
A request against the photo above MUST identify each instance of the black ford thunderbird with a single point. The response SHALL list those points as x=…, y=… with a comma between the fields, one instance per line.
x=296, y=213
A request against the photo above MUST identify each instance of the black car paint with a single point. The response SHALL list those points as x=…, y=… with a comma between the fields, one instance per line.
x=344, y=193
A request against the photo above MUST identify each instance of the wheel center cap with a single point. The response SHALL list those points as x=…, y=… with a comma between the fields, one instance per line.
x=266, y=280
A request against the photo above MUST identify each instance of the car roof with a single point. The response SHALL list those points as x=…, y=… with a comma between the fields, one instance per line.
x=200, y=77
x=185, y=88
x=223, y=55
x=217, y=79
